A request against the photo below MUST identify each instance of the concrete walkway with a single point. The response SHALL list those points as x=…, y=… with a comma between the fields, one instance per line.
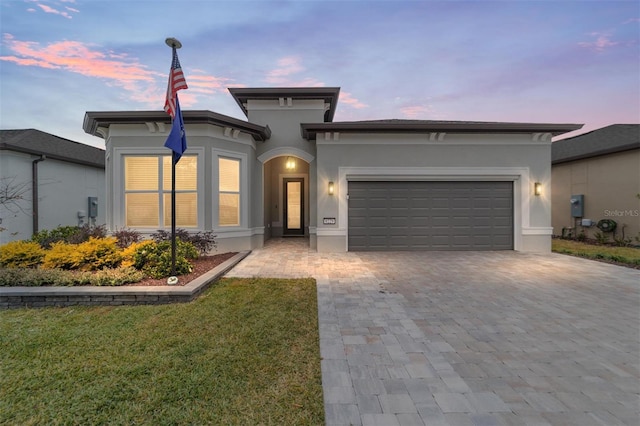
x=469, y=338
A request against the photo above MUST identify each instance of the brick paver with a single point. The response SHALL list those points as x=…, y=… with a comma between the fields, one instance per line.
x=454, y=338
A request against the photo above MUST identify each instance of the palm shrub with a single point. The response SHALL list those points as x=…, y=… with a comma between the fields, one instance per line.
x=21, y=254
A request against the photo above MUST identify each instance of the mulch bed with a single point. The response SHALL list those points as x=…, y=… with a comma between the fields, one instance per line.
x=201, y=265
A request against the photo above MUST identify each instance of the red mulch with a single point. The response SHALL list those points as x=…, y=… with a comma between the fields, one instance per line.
x=201, y=265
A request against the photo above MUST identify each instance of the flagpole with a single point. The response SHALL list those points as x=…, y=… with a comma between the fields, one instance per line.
x=174, y=44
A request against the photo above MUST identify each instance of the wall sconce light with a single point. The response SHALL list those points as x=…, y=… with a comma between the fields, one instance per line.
x=537, y=188
x=290, y=164
x=330, y=188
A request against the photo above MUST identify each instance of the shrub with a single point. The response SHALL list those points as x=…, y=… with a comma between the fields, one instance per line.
x=110, y=277
x=126, y=237
x=92, y=255
x=35, y=277
x=46, y=238
x=155, y=259
x=21, y=254
x=86, y=232
x=62, y=255
x=129, y=253
x=99, y=253
x=56, y=277
x=202, y=241
x=69, y=234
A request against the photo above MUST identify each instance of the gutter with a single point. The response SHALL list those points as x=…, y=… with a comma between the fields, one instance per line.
x=34, y=191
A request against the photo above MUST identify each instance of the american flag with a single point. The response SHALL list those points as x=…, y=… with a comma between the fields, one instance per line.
x=176, y=82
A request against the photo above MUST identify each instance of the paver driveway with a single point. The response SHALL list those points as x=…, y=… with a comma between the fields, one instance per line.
x=469, y=338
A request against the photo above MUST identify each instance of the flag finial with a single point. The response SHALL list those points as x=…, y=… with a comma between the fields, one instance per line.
x=174, y=43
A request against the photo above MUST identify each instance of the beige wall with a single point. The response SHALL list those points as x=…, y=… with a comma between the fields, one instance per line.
x=610, y=185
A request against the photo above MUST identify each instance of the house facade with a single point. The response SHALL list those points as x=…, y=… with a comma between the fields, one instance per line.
x=290, y=170
x=54, y=182
x=600, y=172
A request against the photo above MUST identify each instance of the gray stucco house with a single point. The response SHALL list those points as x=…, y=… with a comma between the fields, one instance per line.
x=290, y=170
x=61, y=182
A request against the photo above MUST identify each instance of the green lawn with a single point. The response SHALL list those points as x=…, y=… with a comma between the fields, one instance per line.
x=629, y=256
x=245, y=352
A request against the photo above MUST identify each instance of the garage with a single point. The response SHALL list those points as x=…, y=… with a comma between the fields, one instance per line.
x=430, y=215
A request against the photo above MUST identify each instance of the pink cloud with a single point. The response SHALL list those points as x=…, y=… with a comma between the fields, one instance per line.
x=48, y=9
x=207, y=84
x=286, y=66
x=78, y=58
x=347, y=98
x=602, y=42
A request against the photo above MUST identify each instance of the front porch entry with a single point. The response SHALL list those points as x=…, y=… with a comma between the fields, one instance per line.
x=286, y=197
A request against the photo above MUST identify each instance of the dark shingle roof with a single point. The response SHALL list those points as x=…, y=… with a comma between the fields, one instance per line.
x=607, y=140
x=36, y=142
x=310, y=130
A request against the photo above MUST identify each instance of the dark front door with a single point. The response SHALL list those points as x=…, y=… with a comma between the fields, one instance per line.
x=293, y=206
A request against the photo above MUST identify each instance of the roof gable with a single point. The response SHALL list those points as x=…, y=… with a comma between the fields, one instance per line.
x=606, y=140
x=36, y=142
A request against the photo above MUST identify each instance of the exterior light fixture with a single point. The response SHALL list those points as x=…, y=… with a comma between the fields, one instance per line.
x=290, y=164
x=330, y=188
x=537, y=188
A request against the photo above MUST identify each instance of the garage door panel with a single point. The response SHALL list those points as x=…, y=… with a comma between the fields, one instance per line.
x=430, y=215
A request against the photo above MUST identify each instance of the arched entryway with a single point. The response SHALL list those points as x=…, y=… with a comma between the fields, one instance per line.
x=286, y=197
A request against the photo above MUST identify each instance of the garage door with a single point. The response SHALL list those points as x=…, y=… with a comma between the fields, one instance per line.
x=399, y=215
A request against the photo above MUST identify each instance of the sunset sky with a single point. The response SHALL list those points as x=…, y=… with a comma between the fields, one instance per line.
x=525, y=61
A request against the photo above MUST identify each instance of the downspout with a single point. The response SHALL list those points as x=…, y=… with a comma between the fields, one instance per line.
x=34, y=191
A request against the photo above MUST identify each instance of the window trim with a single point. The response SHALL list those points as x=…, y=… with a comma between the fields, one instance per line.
x=244, y=189
x=119, y=214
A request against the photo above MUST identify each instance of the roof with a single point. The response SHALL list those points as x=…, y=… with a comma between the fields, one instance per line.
x=94, y=120
x=328, y=94
x=309, y=130
x=606, y=140
x=36, y=142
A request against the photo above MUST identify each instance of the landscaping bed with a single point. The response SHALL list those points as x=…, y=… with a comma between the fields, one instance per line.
x=623, y=256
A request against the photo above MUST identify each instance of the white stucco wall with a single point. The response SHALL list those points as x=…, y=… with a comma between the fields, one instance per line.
x=63, y=191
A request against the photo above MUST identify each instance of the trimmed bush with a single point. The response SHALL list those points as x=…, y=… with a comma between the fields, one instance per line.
x=155, y=259
x=99, y=253
x=21, y=254
x=62, y=255
x=92, y=255
x=129, y=253
x=35, y=277
x=56, y=277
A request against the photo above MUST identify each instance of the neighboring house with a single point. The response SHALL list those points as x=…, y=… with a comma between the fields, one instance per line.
x=366, y=185
x=66, y=174
x=602, y=166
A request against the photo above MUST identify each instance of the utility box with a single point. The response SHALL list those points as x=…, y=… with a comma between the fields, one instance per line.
x=93, y=207
x=577, y=205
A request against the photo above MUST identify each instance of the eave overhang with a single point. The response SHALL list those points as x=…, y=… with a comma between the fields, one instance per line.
x=328, y=94
x=94, y=120
x=310, y=130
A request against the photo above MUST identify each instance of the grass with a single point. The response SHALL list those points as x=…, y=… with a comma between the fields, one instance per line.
x=245, y=352
x=628, y=256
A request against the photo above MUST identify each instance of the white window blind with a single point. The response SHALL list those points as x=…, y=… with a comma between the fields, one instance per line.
x=229, y=192
x=147, y=188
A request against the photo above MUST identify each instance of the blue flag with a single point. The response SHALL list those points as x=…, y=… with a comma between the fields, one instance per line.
x=177, y=140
